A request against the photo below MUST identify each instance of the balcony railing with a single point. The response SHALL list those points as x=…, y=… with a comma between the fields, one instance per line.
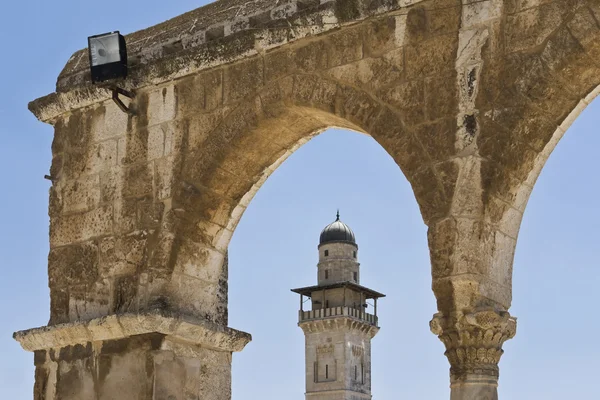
x=338, y=312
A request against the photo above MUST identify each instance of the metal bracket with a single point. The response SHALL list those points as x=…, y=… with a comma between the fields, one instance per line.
x=115, y=96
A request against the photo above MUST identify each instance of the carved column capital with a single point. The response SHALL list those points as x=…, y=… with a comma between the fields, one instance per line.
x=474, y=341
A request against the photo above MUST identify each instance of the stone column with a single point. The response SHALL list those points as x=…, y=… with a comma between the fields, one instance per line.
x=474, y=346
x=154, y=355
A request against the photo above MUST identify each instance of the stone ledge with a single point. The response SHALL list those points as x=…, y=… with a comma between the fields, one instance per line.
x=183, y=46
x=51, y=106
x=224, y=18
x=119, y=326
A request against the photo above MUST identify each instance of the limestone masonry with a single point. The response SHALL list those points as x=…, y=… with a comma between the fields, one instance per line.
x=468, y=97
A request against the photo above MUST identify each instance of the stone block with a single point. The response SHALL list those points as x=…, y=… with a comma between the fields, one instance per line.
x=501, y=266
x=162, y=105
x=105, y=328
x=237, y=25
x=122, y=151
x=125, y=291
x=111, y=184
x=584, y=27
x=406, y=98
x=110, y=122
x=372, y=73
x=123, y=255
x=468, y=194
x=59, y=306
x=242, y=79
x=381, y=36
x=102, y=156
x=76, y=380
x=278, y=63
x=430, y=57
x=199, y=261
x=531, y=27
x=200, y=93
x=126, y=375
x=70, y=229
x=438, y=138
x=116, y=122
x=164, y=178
x=149, y=213
x=138, y=180
x=357, y=107
x=156, y=142
x=480, y=13
x=514, y=6
x=97, y=299
x=311, y=57
x=424, y=23
x=133, y=148
x=73, y=265
x=125, y=215
x=199, y=126
x=82, y=194
x=95, y=158
x=441, y=99
x=77, y=302
x=170, y=376
x=198, y=297
x=430, y=196
x=209, y=232
x=497, y=180
x=324, y=96
x=405, y=149
x=345, y=46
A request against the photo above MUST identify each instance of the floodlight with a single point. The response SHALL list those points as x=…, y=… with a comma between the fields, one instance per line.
x=108, y=56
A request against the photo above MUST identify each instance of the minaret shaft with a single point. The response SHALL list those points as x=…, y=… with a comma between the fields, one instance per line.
x=338, y=359
x=338, y=329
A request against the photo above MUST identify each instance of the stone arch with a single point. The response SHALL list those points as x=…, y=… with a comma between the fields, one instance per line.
x=465, y=96
x=524, y=98
x=221, y=170
x=539, y=98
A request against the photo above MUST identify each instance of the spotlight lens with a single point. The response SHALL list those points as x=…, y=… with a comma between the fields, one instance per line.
x=105, y=49
x=108, y=57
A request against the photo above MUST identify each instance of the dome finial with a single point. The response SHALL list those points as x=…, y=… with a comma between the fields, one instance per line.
x=338, y=215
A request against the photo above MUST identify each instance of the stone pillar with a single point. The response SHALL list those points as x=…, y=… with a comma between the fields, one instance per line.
x=154, y=355
x=474, y=346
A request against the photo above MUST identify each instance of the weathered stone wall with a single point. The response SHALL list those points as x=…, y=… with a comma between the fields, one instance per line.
x=469, y=98
x=139, y=367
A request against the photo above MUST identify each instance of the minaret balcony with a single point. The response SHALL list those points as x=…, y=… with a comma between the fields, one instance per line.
x=335, y=312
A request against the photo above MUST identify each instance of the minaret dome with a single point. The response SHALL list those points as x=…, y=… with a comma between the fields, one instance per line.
x=337, y=231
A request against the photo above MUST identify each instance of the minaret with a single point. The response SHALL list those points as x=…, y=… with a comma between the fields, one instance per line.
x=338, y=330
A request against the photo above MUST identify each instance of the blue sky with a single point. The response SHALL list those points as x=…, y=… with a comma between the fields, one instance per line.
x=556, y=271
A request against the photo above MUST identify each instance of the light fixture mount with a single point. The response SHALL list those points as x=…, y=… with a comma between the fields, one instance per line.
x=115, y=96
x=108, y=62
